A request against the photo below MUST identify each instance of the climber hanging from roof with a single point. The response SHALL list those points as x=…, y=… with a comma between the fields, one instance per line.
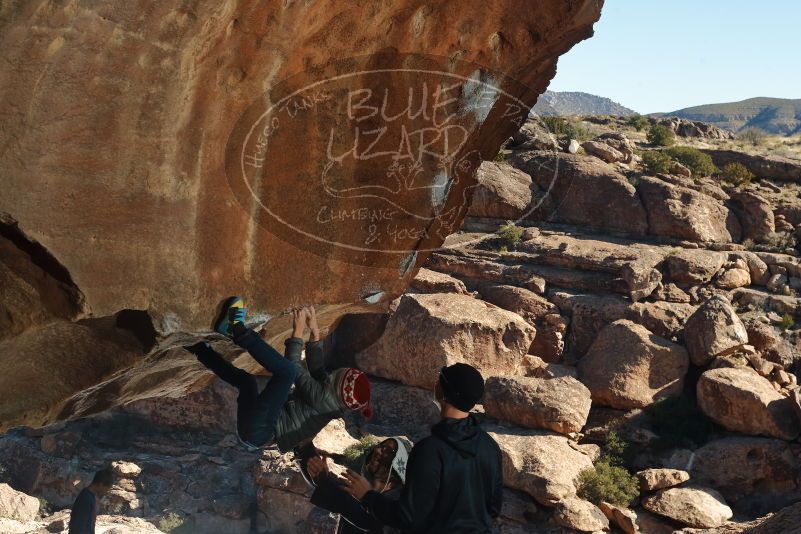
x=274, y=416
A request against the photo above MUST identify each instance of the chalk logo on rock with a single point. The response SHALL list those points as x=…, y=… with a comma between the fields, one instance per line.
x=351, y=160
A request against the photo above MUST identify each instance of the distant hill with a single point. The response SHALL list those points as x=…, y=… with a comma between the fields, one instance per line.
x=574, y=103
x=780, y=116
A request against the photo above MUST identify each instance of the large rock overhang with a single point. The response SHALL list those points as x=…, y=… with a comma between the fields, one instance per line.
x=289, y=152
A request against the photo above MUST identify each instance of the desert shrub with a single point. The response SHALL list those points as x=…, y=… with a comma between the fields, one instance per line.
x=656, y=161
x=736, y=174
x=500, y=156
x=749, y=244
x=510, y=235
x=611, y=481
x=608, y=482
x=638, y=122
x=567, y=127
x=753, y=136
x=661, y=135
x=617, y=451
x=787, y=322
x=45, y=507
x=169, y=522
x=680, y=423
x=781, y=240
x=555, y=124
x=699, y=163
x=353, y=456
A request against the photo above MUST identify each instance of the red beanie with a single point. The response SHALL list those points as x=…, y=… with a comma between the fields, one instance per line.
x=354, y=390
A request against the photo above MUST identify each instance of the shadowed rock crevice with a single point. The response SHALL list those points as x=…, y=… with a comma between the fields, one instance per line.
x=36, y=287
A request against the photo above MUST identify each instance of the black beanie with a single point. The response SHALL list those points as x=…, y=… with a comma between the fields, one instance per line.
x=462, y=385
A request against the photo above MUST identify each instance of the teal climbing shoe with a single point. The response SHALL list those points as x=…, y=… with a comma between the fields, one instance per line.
x=233, y=311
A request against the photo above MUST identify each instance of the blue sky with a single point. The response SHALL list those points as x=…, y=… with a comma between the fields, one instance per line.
x=666, y=55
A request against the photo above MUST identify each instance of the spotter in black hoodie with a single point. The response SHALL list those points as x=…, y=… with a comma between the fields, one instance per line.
x=454, y=483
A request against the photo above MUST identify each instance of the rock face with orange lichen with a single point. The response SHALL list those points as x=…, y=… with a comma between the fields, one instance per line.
x=159, y=156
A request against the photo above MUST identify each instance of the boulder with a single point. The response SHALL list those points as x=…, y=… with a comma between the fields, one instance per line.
x=641, y=278
x=623, y=518
x=690, y=128
x=743, y=401
x=769, y=343
x=758, y=269
x=583, y=190
x=543, y=464
x=590, y=313
x=657, y=479
x=713, y=330
x=427, y=332
x=785, y=520
x=534, y=135
x=603, y=151
x=573, y=146
x=334, y=438
x=694, y=266
x=177, y=214
x=683, y=213
x=522, y=301
x=694, y=506
x=401, y=410
x=679, y=169
x=734, y=278
x=649, y=523
x=537, y=311
x=749, y=468
x=755, y=214
x=629, y=367
x=777, y=283
x=428, y=281
x=619, y=142
x=126, y=469
x=559, y=404
x=770, y=167
x=580, y=515
x=17, y=505
x=503, y=192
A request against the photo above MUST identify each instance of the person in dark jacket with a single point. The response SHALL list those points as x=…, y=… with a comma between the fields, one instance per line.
x=454, y=480
x=84, y=509
x=384, y=466
x=273, y=416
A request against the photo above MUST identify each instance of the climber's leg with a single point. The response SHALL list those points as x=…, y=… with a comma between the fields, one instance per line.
x=263, y=414
x=241, y=380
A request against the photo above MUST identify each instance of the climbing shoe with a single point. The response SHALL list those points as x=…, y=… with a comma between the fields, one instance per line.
x=233, y=312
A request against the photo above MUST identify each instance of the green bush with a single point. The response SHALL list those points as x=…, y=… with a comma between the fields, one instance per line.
x=638, y=122
x=692, y=158
x=680, y=423
x=567, y=127
x=46, y=508
x=353, y=456
x=787, y=322
x=617, y=451
x=656, y=161
x=661, y=135
x=754, y=136
x=608, y=482
x=500, y=156
x=736, y=174
x=510, y=235
x=780, y=240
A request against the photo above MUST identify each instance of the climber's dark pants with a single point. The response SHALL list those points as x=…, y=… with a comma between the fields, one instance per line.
x=257, y=412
